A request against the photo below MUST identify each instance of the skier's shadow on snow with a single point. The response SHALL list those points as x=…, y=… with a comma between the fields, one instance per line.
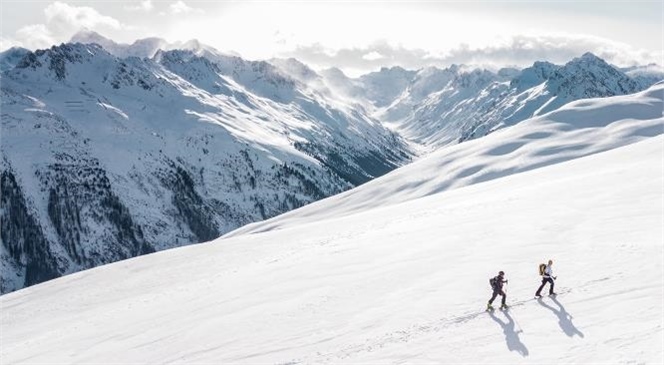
x=511, y=335
x=564, y=318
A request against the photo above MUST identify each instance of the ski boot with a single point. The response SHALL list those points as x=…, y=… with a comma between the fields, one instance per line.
x=504, y=307
x=489, y=307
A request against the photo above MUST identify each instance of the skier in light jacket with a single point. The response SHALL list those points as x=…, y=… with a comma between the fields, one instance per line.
x=547, y=278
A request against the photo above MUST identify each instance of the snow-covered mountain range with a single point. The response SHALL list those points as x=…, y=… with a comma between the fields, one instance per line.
x=105, y=158
x=440, y=107
x=111, y=150
x=396, y=270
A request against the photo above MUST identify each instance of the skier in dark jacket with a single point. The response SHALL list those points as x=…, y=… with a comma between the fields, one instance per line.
x=497, y=286
x=547, y=277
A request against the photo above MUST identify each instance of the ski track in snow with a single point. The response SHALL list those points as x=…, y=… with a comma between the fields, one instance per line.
x=419, y=330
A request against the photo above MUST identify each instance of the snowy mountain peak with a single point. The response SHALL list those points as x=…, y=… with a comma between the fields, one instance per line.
x=588, y=62
x=454, y=67
x=429, y=80
x=295, y=68
x=589, y=76
x=87, y=36
x=533, y=75
x=82, y=65
x=508, y=72
x=199, y=48
x=55, y=60
x=590, y=57
x=14, y=50
x=11, y=57
x=141, y=48
x=477, y=78
x=386, y=72
x=193, y=44
x=385, y=85
x=145, y=48
x=334, y=73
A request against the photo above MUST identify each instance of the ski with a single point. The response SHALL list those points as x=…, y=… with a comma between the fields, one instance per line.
x=523, y=302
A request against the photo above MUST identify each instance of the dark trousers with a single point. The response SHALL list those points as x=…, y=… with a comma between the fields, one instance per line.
x=544, y=281
x=496, y=293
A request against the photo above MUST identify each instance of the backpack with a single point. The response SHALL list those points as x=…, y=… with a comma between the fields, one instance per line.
x=492, y=282
x=542, y=268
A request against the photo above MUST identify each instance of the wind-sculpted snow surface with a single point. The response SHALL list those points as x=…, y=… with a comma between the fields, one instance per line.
x=402, y=283
x=578, y=129
x=105, y=158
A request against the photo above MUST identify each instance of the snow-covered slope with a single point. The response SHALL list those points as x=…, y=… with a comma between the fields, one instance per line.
x=402, y=283
x=442, y=107
x=578, y=129
x=106, y=158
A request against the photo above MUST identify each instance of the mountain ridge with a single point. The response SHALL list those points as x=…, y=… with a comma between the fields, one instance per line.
x=112, y=157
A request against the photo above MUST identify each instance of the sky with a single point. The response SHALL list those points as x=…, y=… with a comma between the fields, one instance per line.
x=361, y=36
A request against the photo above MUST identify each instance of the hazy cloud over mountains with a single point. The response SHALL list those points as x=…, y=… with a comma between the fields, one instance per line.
x=518, y=51
x=358, y=38
x=61, y=22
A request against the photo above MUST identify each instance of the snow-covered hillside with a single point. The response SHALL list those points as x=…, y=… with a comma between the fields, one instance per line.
x=105, y=158
x=399, y=283
x=578, y=129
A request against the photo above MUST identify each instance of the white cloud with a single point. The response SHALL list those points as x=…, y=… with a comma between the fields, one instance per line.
x=34, y=36
x=179, y=7
x=518, y=50
x=61, y=22
x=62, y=17
x=372, y=56
x=6, y=43
x=145, y=5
